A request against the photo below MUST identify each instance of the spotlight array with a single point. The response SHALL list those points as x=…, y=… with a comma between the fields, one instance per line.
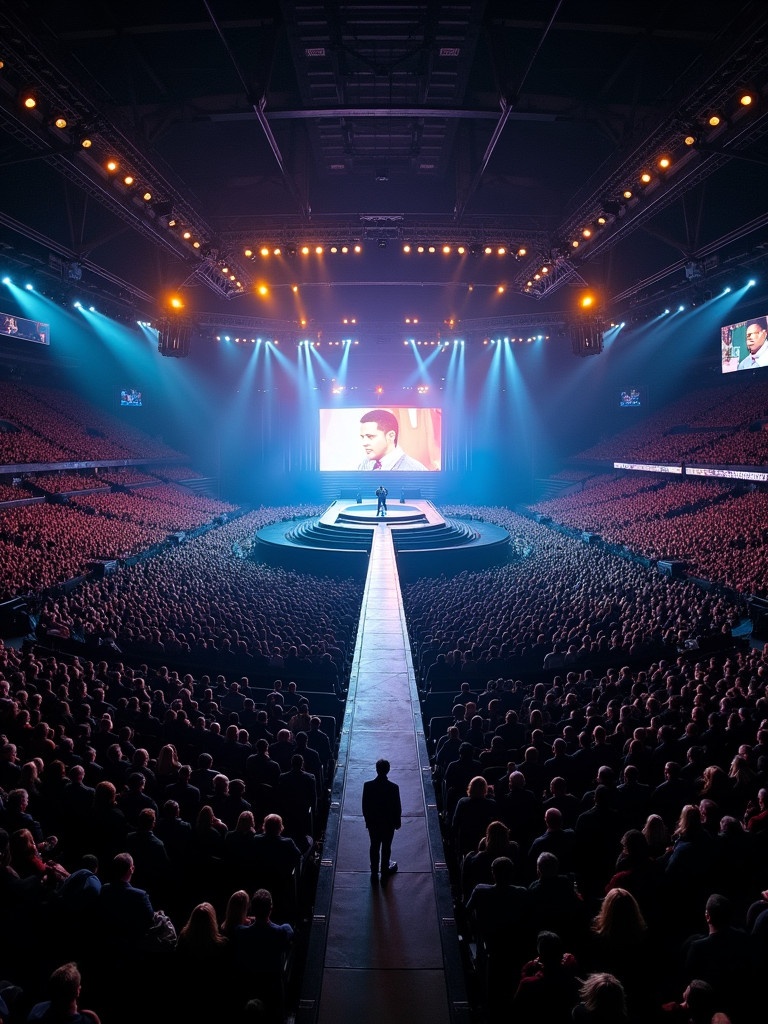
x=701, y=132
x=308, y=248
x=476, y=250
x=87, y=142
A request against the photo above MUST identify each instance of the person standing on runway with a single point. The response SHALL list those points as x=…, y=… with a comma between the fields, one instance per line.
x=382, y=813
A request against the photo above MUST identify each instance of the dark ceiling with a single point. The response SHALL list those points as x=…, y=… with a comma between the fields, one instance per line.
x=473, y=122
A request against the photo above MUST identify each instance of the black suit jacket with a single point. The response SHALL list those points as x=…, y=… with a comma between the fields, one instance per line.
x=381, y=805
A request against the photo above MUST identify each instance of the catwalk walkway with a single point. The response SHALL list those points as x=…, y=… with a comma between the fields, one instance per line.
x=383, y=952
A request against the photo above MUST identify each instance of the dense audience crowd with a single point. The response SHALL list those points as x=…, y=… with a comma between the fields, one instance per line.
x=719, y=530
x=719, y=421
x=606, y=815
x=62, y=480
x=52, y=425
x=602, y=781
x=185, y=808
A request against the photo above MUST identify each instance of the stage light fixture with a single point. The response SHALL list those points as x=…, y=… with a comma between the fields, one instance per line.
x=344, y=249
x=248, y=253
x=431, y=248
x=147, y=197
x=334, y=248
x=305, y=250
x=319, y=250
x=746, y=99
x=406, y=248
x=264, y=250
x=665, y=163
x=446, y=249
x=645, y=178
x=86, y=143
x=627, y=193
x=420, y=249
x=60, y=122
x=358, y=248
x=502, y=250
x=575, y=243
x=488, y=250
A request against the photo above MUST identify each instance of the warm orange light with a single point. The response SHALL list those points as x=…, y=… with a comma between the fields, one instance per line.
x=319, y=250
x=86, y=143
x=406, y=248
x=689, y=140
x=248, y=253
x=587, y=233
x=345, y=249
x=745, y=100
x=575, y=243
x=502, y=251
x=501, y=289
x=175, y=302
x=112, y=165
x=30, y=102
x=627, y=194
x=645, y=177
x=195, y=245
x=305, y=250
x=461, y=250
x=277, y=252
x=601, y=220
x=446, y=249
x=664, y=162
x=262, y=289
x=587, y=301
x=294, y=288
x=358, y=248
x=187, y=235
x=60, y=122
x=147, y=196
x=487, y=250
x=128, y=179
x=522, y=252
x=431, y=248
x=334, y=248
x=420, y=248
x=545, y=270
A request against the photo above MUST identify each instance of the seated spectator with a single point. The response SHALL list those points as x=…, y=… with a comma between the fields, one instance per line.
x=548, y=988
x=64, y=987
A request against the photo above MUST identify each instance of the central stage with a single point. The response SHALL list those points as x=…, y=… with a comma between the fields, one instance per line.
x=426, y=542
x=398, y=513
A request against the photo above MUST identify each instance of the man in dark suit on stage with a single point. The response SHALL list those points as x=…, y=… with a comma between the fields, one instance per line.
x=382, y=813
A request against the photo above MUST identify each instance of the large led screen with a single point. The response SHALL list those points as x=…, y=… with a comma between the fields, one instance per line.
x=744, y=346
x=392, y=437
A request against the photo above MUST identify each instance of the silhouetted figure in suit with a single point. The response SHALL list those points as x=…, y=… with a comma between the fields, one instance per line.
x=382, y=813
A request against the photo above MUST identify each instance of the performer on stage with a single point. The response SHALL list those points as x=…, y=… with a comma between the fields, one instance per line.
x=381, y=498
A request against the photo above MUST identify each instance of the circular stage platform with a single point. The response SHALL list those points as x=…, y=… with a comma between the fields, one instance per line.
x=426, y=543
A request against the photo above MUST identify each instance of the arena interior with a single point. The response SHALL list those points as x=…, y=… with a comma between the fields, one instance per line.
x=383, y=392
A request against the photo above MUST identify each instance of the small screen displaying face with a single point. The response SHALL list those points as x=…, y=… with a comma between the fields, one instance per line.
x=744, y=346
x=395, y=438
